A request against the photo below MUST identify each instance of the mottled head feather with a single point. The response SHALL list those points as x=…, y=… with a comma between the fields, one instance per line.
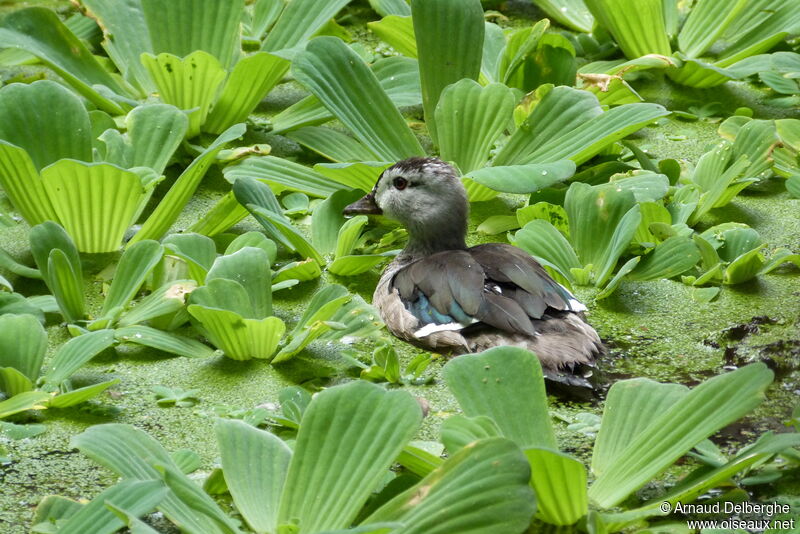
x=432, y=203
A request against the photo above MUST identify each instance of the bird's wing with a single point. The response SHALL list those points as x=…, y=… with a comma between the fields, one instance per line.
x=449, y=289
x=523, y=280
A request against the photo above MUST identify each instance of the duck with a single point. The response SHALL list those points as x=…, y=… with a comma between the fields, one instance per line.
x=443, y=296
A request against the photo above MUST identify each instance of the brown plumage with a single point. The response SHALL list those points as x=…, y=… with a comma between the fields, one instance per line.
x=443, y=296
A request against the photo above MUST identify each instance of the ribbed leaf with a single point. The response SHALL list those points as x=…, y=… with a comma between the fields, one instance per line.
x=699, y=74
x=180, y=27
x=570, y=13
x=643, y=34
x=237, y=337
x=45, y=119
x=331, y=144
x=166, y=341
x=704, y=410
x=398, y=32
x=505, y=384
x=390, y=7
x=783, y=19
x=602, y=222
x=225, y=213
x=559, y=481
x=523, y=178
x=459, y=431
x=74, y=354
x=23, y=343
x=29, y=400
x=39, y=31
x=282, y=174
x=133, y=268
x=355, y=264
x=469, y=119
x=299, y=21
x=188, y=83
x=543, y=241
x=482, y=488
x=251, y=79
x=361, y=176
x=132, y=454
x=77, y=396
x=181, y=191
x=255, y=463
x=126, y=38
x=13, y=382
x=399, y=77
x=198, y=251
x=95, y=202
x=23, y=186
x=165, y=301
x=670, y=258
x=344, y=83
x=49, y=240
x=154, y=132
x=449, y=35
x=327, y=218
x=249, y=267
x=348, y=438
x=707, y=21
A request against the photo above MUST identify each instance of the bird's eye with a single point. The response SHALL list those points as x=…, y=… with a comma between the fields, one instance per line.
x=400, y=183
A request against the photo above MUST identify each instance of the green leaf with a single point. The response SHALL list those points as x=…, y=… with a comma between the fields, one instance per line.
x=46, y=120
x=505, y=384
x=704, y=410
x=23, y=185
x=344, y=83
x=670, y=258
x=256, y=487
x=327, y=219
x=569, y=123
x=168, y=210
x=23, y=344
x=459, y=431
x=390, y=7
x=353, y=433
x=140, y=497
x=77, y=396
x=133, y=268
x=29, y=400
x=299, y=271
x=188, y=83
x=281, y=174
x=13, y=382
x=602, y=222
x=361, y=175
x=249, y=82
x=258, y=198
x=134, y=455
x=543, y=241
x=331, y=144
x=95, y=202
x=256, y=240
x=523, y=178
x=356, y=264
x=39, y=31
x=630, y=407
x=239, y=338
x=559, y=481
x=456, y=498
x=637, y=36
x=249, y=267
x=46, y=239
x=53, y=508
x=570, y=13
x=449, y=35
x=299, y=21
x=166, y=341
x=197, y=251
x=469, y=119
x=398, y=32
x=225, y=213
x=72, y=355
x=706, y=23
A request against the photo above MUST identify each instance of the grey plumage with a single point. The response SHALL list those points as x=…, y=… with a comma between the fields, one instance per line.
x=436, y=282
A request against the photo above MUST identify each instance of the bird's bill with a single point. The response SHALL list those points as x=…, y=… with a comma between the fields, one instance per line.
x=364, y=206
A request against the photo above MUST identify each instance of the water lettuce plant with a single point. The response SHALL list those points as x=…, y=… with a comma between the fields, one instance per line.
x=284, y=489
x=646, y=427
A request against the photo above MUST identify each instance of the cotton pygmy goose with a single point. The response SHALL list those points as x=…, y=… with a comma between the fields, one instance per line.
x=444, y=296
